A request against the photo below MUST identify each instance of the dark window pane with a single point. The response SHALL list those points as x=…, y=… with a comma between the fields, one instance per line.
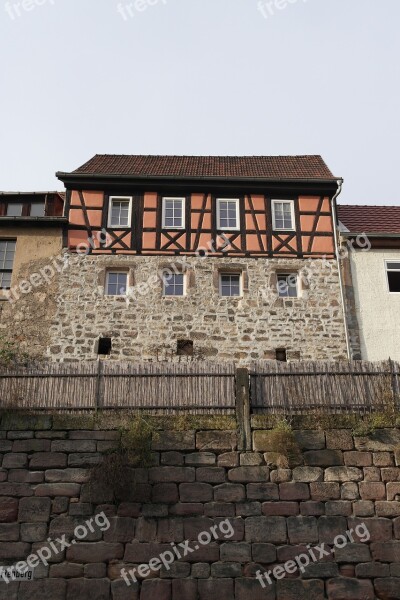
x=37, y=209
x=14, y=210
x=394, y=281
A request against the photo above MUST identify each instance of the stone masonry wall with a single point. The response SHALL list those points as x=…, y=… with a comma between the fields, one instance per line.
x=198, y=480
x=243, y=329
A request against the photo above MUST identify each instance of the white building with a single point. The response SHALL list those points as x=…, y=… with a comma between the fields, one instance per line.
x=371, y=273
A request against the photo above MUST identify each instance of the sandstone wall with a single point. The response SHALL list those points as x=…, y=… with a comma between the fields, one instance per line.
x=198, y=480
x=148, y=326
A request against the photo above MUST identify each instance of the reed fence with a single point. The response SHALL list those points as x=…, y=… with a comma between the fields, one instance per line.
x=208, y=388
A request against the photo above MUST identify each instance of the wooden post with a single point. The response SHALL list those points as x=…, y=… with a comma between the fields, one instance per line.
x=243, y=408
x=395, y=384
x=98, y=384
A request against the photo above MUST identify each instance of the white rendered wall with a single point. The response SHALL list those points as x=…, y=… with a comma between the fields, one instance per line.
x=378, y=310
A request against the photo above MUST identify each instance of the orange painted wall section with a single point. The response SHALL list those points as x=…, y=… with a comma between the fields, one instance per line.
x=259, y=238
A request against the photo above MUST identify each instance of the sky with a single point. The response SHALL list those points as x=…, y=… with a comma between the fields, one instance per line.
x=225, y=77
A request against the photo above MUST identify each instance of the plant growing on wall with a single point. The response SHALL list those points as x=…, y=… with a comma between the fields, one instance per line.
x=10, y=353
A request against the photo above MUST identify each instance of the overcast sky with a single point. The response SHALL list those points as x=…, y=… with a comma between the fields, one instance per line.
x=79, y=77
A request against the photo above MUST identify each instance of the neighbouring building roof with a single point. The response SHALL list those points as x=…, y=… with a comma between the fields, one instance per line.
x=263, y=167
x=370, y=219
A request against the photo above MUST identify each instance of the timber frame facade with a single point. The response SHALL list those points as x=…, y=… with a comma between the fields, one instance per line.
x=88, y=201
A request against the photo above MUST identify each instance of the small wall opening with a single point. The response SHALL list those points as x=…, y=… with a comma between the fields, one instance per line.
x=104, y=346
x=184, y=348
x=280, y=355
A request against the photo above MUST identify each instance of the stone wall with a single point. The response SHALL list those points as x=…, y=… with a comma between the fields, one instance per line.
x=148, y=327
x=198, y=480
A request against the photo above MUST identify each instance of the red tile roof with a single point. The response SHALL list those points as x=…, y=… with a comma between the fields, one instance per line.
x=370, y=219
x=263, y=167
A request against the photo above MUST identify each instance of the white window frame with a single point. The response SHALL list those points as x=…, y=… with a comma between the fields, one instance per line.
x=225, y=273
x=183, y=207
x=274, y=227
x=114, y=272
x=288, y=274
x=390, y=260
x=173, y=295
x=236, y=200
x=119, y=198
x=10, y=271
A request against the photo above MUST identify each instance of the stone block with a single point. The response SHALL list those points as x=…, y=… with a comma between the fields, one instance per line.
x=280, y=509
x=310, y=439
x=172, y=474
x=156, y=511
x=226, y=569
x=170, y=530
x=381, y=440
x=387, y=509
x=393, y=491
x=69, y=490
x=372, y=491
x=363, y=508
x=370, y=570
x=34, y=510
x=264, y=553
x=185, y=589
x=246, y=588
x=387, y=588
x=229, y=492
x=84, y=459
x=349, y=491
x=9, y=532
x=177, y=570
x=380, y=530
x=8, y=509
x=353, y=553
x=193, y=526
x=262, y=491
x=156, y=588
x=248, y=509
x=308, y=474
x=302, y=530
x=295, y=589
x=172, y=459
x=15, y=461
x=259, y=529
x=344, y=588
x=339, y=508
x=45, y=589
x=321, y=570
x=210, y=588
x=330, y=527
x=228, y=459
x=66, y=570
x=33, y=532
x=95, y=552
x=248, y=474
x=294, y=491
x=235, y=552
x=67, y=475
x=122, y=529
x=48, y=460
x=372, y=474
x=30, y=445
x=339, y=439
x=323, y=458
x=382, y=459
x=25, y=476
x=312, y=508
x=358, y=459
x=200, y=458
x=195, y=492
x=343, y=474
x=201, y=571
x=174, y=440
x=166, y=493
x=210, y=474
x=95, y=571
x=219, y=441
x=281, y=475
x=82, y=589
x=323, y=491
x=15, y=489
x=14, y=551
x=221, y=509
x=189, y=508
x=386, y=551
x=251, y=459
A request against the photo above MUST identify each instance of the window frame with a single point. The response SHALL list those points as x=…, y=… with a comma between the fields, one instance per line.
x=164, y=295
x=13, y=262
x=390, y=260
x=237, y=203
x=285, y=274
x=292, y=213
x=110, y=203
x=116, y=272
x=230, y=274
x=183, y=207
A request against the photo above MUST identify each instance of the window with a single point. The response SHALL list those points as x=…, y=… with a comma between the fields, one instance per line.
x=393, y=275
x=7, y=253
x=14, y=209
x=173, y=213
x=104, y=346
x=283, y=214
x=173, y=284
x=116, y=284
x=227, y=214
x=230, y=284
x=37, y=209
x=287, y=285
x=120, y=212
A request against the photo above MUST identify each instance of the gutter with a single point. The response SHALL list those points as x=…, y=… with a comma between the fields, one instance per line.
x=337, y=250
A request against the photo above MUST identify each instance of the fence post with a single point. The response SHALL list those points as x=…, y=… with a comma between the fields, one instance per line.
x=243, y=408
x=98, y=384
x=395, y=383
